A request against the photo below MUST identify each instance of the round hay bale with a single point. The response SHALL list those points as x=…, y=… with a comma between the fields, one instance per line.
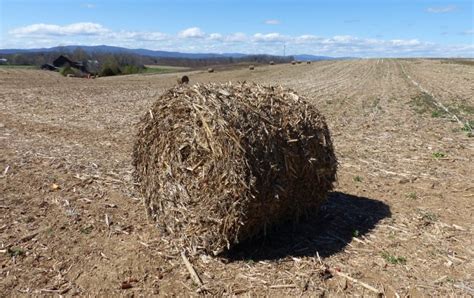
x=251, y=67
x=299, y=62
x=183, y=80
x=210, y=70
x=219, y=163
x=308, y=62
x=272, y=63
x=293, y=62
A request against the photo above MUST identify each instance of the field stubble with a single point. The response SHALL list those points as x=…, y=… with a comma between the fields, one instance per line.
x=400, y=220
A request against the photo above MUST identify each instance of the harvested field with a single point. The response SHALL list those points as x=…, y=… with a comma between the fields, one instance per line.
x=399, y=221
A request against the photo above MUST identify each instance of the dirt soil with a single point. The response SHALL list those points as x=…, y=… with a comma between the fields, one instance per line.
x=400, y=221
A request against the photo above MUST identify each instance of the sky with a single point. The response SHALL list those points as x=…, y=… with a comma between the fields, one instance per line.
x=366, y=28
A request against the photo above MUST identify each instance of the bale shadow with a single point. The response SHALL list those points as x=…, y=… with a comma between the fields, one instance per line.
x=341, y=218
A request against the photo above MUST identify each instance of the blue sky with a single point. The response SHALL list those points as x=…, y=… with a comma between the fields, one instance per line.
x=384, y=28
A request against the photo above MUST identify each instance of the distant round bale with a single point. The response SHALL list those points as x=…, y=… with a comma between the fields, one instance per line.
x=219, y=163
x=308, y=62
x=183, y=80
x=272, y=63
x=299, y=62
x=210, y=70
x=251, y=67
x=293, y=62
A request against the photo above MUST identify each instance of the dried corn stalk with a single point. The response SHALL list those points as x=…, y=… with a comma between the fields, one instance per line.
x=218, y=163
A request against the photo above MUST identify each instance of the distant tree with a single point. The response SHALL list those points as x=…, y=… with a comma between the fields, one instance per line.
x=110, y=67
x=20, y=59
x=79, y=55
x=115, y=63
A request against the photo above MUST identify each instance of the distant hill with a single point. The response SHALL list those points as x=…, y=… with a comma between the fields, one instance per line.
x=117, y=50
x=146, y=52
x=305, y=57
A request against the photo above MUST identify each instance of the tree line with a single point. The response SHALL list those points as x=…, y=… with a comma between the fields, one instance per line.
x=125, y=63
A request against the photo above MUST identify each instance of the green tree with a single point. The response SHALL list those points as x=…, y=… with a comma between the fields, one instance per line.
x=110, y=67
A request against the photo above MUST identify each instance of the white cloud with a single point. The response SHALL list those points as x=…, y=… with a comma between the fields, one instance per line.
x=137, y=36
x=272, y=22
x=193, y=32
x=89, y=5
x=468, y=32
x=236, y=37
x=441, y=9
x=57, y=30
x=270, y=37
x=47, y=35
x=400, y=42
x=343, y=38
x=215, y=36
x=307, y=38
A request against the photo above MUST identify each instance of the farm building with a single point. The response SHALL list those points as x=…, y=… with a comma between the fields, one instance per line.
x=64, y=61
x=48, y=66
x=90, y=67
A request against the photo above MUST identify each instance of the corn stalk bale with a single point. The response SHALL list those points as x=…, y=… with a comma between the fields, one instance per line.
x=272, y=63
x=210, y=70
x=183, y=80
x=218, y=163
x=251, y=67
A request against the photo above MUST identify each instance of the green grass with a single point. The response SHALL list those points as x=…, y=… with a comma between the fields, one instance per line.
x=412, y=195
x=461, y=109
x=438, y=154
x=376, y=102
x=157, y=69
x=87, y=230
x=424, y=103
x=391, y=235
x=130, y=69
x=15, y=251
x=371, y=105
x=69, y=70
x=392, y=259
x=466, y=108
x=468, y=62
x=49, y=231
x=18, y=66
x=429, y=217
x=450, y=280
x=358, y=179
x=468, y=126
